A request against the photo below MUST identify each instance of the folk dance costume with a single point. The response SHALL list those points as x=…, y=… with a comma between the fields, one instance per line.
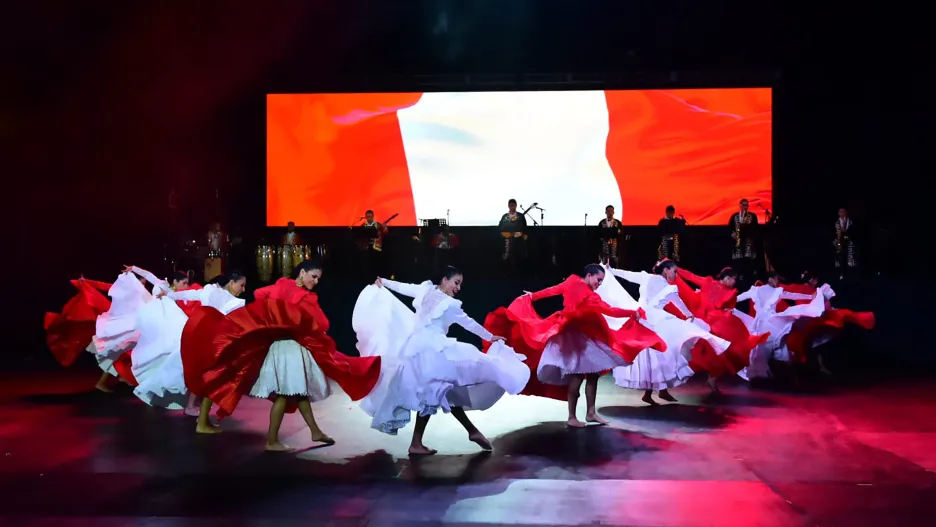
x=576, y=341
x=652, y=369
x=714, y=303
x=764, y=318
x=424, y=370
x=157, y=356
x=811, y=333
x=71, y=332
x=116, y=330
x=276, y=347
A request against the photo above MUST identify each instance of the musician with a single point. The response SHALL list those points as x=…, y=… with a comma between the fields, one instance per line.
x=291, y=237
x=609, y=232
x=513, y=227
x=743, y=225
x=671, y=228
x=845, y=253
x=374, y=233
x=218, y=245
x=443, y=244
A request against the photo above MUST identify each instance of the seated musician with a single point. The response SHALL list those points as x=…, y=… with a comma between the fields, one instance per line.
x=291, y=237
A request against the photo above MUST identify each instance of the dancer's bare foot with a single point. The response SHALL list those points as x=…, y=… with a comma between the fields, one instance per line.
x=321, y=437
x=277, y=447
x=102, y=387
x=666, y=396
x=648, y=398
x=710, y=382
x=480, y=440
x=421, y=450
x=595, y=418
x=192, y=411
x=207, y=429
x=573, y=422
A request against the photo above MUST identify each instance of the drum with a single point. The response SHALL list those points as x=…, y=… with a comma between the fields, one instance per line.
x=288, y=257
x=264, y=255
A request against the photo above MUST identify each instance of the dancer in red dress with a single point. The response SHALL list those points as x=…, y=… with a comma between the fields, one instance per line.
x=814, y=332
x=276, y=348
x=71, y=332
x=714, y=304
x=574, y=345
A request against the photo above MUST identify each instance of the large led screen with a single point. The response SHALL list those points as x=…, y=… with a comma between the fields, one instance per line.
x=462, y=156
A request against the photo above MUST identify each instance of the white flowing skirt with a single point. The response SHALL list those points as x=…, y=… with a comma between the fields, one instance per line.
x=779, y=325
x=157, y=356
x=290, y=370
x=423, y=371
x=656, y=370
x=571, y=352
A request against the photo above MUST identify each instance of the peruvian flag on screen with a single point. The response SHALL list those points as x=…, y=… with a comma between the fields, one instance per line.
x=425, y=155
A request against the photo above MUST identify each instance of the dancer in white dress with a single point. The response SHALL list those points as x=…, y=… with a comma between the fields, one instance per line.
x=652, y=369
x=422, y=369
x=115, y=330
x=765, y=298
x=157, y=356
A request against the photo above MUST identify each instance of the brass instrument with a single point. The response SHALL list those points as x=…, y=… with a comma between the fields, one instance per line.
x=839, y=236
x=737, y=232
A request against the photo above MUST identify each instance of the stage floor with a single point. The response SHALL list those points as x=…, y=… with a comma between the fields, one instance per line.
x=849, y=457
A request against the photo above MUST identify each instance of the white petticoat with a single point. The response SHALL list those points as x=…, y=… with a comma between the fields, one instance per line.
x=290, y=370
x=571, y=352
x=425, y=371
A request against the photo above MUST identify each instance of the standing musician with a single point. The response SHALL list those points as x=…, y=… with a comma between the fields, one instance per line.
x=513, y=226
x=218, y=246
x=743, y=224
x=373, y=237
x=845, y=257
x=671, y=228
x=609, y=232
x=291, y=237
x=443, y=244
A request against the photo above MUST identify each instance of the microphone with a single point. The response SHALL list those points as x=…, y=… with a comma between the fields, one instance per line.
x=533, y=205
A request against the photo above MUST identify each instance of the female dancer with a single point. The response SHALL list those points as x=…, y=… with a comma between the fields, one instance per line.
x=764, y=300
x=424, y=370
x=714, y=304
x=575, y=345
x=276, y=348
x=653, y=370
x=72, y=331
x=808, y=334
x=115, y=330
x=157, y=356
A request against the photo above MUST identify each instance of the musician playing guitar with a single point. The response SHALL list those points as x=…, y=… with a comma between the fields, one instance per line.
x=375, y=233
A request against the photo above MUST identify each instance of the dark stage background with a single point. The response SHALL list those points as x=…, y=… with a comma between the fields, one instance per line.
x=132, y=125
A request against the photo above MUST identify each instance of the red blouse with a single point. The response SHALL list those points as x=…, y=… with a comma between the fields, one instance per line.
x=286, y=290
x=576, y=294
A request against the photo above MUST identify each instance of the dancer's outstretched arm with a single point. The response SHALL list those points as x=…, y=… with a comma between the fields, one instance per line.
x=462, y=319
x=411, y=290
x=692, y=277
x=639, y=278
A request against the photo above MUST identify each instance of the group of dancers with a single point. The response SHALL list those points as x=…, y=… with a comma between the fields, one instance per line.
x=190, y=348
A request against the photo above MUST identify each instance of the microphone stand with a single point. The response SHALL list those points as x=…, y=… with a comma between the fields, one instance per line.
x=542, y=214
x=526, y=213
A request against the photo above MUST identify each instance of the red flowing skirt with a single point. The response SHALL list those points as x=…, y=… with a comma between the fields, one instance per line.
x=222, y=355
x=801, y=339
x=527, y=333
x=725, y=325
x=69, y=333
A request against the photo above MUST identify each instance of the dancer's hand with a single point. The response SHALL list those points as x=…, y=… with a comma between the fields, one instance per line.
x=495, y=338
x=378, y=282
x=527, y=293
x=641, y=313
x=128, y=269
